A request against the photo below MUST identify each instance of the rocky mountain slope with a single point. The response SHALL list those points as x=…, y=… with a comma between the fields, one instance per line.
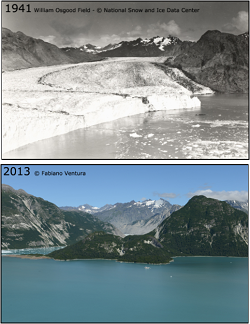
x=29, y=221
x=217, y=60
x=132, y=217
x=241, y=205
x=204, y=226
x=144, y=226
x=20, y=52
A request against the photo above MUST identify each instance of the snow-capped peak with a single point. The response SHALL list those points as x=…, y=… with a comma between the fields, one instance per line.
x=158, y=39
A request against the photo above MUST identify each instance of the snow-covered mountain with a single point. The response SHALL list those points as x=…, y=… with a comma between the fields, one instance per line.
x=97, y=49
x=154, y=46
x=241, y=205
x=93, y=210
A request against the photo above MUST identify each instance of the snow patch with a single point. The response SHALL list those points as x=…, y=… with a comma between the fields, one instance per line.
x=148, y=203
x=157, y=40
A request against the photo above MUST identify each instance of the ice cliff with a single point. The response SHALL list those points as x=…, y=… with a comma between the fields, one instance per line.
x=40, y=103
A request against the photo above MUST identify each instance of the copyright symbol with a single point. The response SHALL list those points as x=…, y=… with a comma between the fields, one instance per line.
x=36, y=173
x=99, y=10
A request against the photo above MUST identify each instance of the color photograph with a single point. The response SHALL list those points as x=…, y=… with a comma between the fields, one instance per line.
x=124, y=243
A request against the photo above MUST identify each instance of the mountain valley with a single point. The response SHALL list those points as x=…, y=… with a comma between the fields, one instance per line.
x=133, y=217
x=96, y=85
x=204, y=226
x=217, y=60
x=158, y=230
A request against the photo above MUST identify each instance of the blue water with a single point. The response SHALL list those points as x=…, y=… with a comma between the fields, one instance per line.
x=190, y=289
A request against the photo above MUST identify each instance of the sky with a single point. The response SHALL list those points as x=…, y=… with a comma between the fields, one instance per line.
x=79, y=28
x=109, y=184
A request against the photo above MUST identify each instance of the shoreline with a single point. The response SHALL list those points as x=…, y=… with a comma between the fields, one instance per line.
x=25, y=256
x=34, y=111
x=33, y=257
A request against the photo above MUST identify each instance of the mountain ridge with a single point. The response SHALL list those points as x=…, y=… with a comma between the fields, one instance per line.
x=20, y=51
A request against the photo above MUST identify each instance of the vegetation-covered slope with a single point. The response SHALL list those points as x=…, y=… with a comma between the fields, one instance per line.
x=98, y=245
x=203, y=226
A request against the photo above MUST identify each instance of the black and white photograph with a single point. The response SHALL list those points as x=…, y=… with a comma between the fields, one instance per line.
x=125, y=80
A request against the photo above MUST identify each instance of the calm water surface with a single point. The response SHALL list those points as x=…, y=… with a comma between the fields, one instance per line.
x=218, y=130
x=191, y=289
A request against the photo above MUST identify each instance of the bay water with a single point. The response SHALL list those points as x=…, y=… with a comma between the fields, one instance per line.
x=190, y=289
x=217, y=130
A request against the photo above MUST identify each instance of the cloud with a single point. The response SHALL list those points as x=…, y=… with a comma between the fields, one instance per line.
x=143, y=198
x=108, y=39
x=136, y=32
x=239, y=24
x=241, y=21
x=165, y=195
x=67, y=29
x=158, y=29
x=221, y=195
x=205, y=186
x=68, y=34
x=49, y=39
x=161, y=29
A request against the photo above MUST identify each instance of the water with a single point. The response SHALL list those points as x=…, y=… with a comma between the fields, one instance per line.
x=219, y=130
x=44, y=250
x=190, y=289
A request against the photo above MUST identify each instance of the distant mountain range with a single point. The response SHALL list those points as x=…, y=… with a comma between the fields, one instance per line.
x=204, y=226
x=217, y=60
x=29, y=221
x=155, y=46
x=132, y=217
x=139, y=217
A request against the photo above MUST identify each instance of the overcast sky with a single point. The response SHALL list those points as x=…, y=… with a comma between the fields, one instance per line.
x=78, y=28
x=122, y=183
